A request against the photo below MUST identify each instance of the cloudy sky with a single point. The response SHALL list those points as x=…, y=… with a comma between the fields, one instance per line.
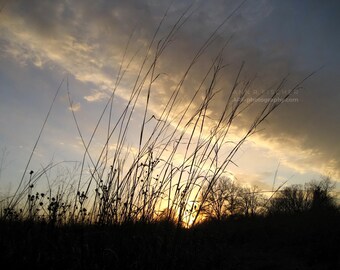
x=44, y=42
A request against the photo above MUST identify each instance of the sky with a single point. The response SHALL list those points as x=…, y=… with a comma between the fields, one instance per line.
x=44, y=42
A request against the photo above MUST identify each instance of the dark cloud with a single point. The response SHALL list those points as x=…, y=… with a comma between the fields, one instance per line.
x=307, y=32
x=274, y=38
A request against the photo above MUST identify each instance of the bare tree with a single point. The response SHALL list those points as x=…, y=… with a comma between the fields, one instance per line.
x=224, y=199
x=314, y=196
x=252, y=201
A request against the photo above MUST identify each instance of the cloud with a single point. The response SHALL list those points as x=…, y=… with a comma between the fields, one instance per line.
x=95, y=96
x=274, y=38
x=75, y=107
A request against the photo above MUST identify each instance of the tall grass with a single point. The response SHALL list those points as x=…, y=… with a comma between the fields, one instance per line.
x=181, y=151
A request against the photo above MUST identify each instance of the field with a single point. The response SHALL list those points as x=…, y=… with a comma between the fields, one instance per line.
x=153, y=186
x=281, y=242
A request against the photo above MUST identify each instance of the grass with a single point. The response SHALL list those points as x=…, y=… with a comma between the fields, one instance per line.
x=164, y=204
x=179, y=152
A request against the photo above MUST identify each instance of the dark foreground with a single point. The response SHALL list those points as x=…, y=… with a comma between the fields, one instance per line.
x=282, y=242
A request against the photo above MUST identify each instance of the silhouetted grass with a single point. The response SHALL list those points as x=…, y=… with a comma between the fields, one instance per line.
x=166, y=206
x=178, y=158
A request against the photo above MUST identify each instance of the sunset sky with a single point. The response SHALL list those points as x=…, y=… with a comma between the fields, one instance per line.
x=43, y=42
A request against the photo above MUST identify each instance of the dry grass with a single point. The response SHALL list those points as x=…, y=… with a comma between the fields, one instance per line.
x=119, y=185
